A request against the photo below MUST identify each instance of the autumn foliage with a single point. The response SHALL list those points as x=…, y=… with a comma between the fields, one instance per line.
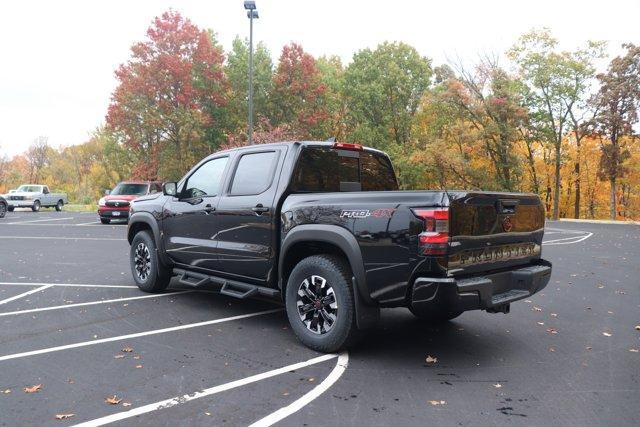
x=546, y=122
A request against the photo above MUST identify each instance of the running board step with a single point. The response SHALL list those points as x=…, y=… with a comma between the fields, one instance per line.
x=227, y=287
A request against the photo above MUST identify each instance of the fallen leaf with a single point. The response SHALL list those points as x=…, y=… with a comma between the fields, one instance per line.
x=7, y=391
x=138, y=366
x=589, y=348
x=311, y=380
x=64, y=416
x=286, y=393
x=632, y=350
x=497, y=385
x=540, y=323
x=637, y=327
x=33, y=389
x=600, y=286
x=127, y=350
x=552, y=349
x=126, y=404
x=528, y=300
x=587, y=308
x=537, y=309
x=431, y=360
x=607, y=334
x=136, y=357
x=554, y=315
x=437, y=402
x=119, y=356
x=208, y=414
x=113, y=400
x=552, y=331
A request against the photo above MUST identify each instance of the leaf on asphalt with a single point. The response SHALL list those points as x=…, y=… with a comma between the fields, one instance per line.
x=311, y=380
x=540, y=323
x=113, y=400
x=437, y=402
x=127, y=350
x=64, y=416
x=552, y=331
x=607, y=334
x=637, y=327
x=536, y=308
x=138, y=366
x=33, y=389
x=7, y=391
x=431, y=360
x=632, y=350
x=587, y=308
x=136, y=357
x=554, y=315
x=126, y=404
x=620, y=292
x=589, y=348
x=552, y=349
x=528, y=300
x=498, y=385
x=119, y=356
x=600, y=286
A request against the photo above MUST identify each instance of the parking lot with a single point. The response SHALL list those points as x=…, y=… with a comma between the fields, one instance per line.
x=73, y=322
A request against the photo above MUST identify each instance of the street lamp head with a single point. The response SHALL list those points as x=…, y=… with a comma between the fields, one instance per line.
x=252, y=14
x=249, y=4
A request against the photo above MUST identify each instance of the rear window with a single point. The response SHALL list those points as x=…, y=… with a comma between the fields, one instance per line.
x=321, y=169
x=254, y=173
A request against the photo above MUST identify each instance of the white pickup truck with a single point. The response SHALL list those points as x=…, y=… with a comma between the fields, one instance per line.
x=35, y=196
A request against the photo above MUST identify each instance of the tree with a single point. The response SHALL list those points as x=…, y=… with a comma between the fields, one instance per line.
x=38, y=157
x=617, y=103
x=298, y=93
x=171, y=95
x=556, y=82
x=383, y=89
x=236, y=69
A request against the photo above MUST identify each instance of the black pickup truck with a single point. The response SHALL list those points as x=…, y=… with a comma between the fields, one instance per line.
x=323, y=227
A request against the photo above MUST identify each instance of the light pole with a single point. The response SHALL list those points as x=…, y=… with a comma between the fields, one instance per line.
x=252, y=12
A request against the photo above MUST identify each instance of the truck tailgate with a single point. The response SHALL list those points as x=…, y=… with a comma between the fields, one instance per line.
x=492, y=231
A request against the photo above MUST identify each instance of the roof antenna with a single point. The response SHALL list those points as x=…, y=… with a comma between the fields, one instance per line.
x=332, y=139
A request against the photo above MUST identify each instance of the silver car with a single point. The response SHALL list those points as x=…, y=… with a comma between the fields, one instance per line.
x=35, y=196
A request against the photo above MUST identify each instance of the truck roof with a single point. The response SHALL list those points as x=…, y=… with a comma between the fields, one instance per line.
x=327, y=144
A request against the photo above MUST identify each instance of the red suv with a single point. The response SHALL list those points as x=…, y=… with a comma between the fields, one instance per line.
x=115, y=204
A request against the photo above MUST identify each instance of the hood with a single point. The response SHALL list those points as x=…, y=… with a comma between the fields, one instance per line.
x=21, y=193
x=125, y=197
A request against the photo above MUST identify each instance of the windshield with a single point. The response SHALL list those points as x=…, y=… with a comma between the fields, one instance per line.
x=29, y=188
x=130, y=189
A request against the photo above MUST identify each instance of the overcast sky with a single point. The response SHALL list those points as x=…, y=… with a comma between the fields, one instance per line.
x=57, y=57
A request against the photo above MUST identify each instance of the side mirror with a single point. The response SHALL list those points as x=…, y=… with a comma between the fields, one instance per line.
x=107, y=192
x=170, y=188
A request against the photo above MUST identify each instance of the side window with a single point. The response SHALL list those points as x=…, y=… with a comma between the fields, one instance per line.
x=254, y=173
x=206, y=180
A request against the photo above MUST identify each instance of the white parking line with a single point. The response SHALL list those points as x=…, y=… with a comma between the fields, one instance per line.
x=282, y=413
x=135, y=335
x=32, y=291
x=40, y=220
x=83, y=304
x=71, y=285
x=203, y=393
x=88, y=223
x=564, y=241
x=61, y=238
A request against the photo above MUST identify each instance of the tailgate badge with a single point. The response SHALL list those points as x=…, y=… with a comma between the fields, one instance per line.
x=507, y=224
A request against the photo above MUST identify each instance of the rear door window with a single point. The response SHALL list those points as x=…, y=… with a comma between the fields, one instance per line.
x=254, y=173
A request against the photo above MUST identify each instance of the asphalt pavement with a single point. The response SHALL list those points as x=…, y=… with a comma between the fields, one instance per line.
x=73, y=323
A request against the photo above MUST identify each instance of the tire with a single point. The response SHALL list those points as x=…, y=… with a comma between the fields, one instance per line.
x=10, y=208
x=105, y=220
x=148, y=273
x=3, y=210
x=317, y=272
x=59, y=205
x=36, y=206
x=435, y=314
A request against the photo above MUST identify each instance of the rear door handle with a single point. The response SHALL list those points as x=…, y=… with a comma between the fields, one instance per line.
x=259, y=209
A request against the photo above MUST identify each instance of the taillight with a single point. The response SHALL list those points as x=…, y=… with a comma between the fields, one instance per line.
x=434, y=240
x=347, y=146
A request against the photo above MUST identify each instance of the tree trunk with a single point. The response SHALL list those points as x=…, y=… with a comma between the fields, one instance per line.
x=576, y=213
x=612, y=211
x=556, y=193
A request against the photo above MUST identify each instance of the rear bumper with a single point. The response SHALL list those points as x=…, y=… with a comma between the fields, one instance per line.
x=487, y=292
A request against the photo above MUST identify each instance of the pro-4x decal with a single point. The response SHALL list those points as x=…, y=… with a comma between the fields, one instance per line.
x=365, y=213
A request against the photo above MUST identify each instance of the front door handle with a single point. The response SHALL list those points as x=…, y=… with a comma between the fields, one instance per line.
x=208, y=208
x=259, y=209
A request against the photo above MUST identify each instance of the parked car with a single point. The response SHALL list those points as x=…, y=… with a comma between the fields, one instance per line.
x=3, y=207
x=35, y=196
x=323, y=227
x=115, y=203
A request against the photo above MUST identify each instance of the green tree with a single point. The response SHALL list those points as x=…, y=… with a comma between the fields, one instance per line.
x=556, y=81
x=236, y=69
x=383, y=89
x=617, y=104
